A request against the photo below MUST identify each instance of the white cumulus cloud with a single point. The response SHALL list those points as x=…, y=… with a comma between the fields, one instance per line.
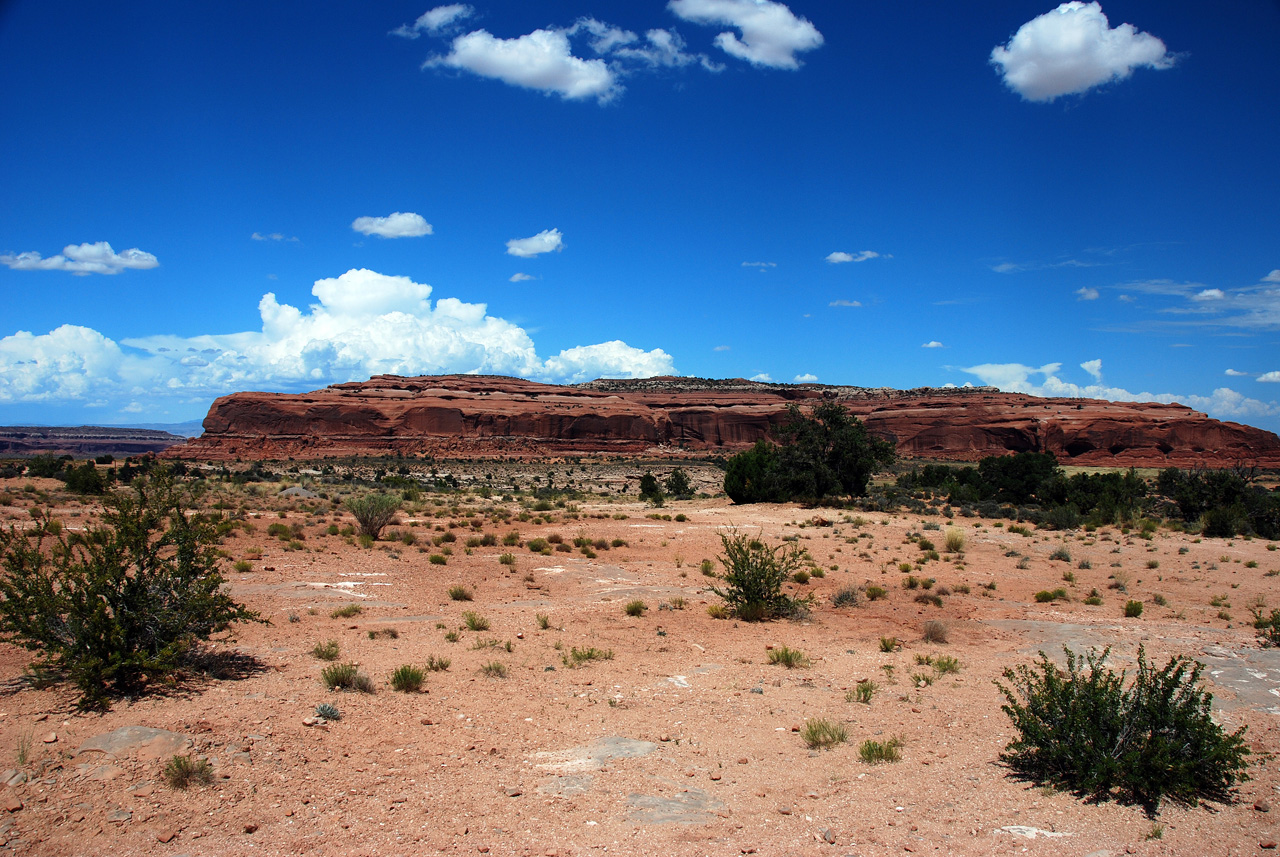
x=1223, y=403
x=1073, y=49
x=399, y=224
x=1235, y=373
x=520, y=277
x=607, y=360
x=363, y=323
x=83, y=259
x=542, y=60
x=771, y=34
x=840, y=257
x=546, y=241
x=434, y=20
x=763, y=378
x=845, y=303
x=1086, y=294
x=1273, y=277
x=1270, y=377
x=806, y=378
x=933, y=343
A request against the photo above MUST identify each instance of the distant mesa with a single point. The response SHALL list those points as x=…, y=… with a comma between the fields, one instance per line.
x=478, y=416
x=83, y=441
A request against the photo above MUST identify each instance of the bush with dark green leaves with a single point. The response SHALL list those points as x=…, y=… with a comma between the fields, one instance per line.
x=1084, y=730
x=373, y=512
x=754, y=574
x=651, y=490
x=1225, y=502
x=826, y=453
x=122, y=605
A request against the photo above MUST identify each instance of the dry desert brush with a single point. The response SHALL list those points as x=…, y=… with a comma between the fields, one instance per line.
x=124, y=604
x=1084, y=730
x=754, y=574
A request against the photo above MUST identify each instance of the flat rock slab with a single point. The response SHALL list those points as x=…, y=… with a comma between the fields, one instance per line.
x=569, y=785
x=689, y=807
x=149, y=743
x=594, y=756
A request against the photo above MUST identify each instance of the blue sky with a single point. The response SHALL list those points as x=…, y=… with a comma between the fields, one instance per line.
x=201, y=198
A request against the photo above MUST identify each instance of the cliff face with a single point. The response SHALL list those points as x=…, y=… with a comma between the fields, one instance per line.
x=478, y=416
x=83, y=441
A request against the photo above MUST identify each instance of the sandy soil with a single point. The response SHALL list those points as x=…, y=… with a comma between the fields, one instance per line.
x=685, y=742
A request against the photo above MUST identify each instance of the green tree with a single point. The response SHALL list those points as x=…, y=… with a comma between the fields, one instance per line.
x=829, y=452
x=650, y=489
x=678, y=484
x=121, y=605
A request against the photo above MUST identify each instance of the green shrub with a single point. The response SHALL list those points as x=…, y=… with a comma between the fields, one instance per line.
x=407, y=679
x=494, y=669
x=1061, y=554
x=577, y=657
x=182, y=772
x=788, y=657
x=506, y=559
x=1044, y=596
x=1267, y=627
x=328, y=711
x=373, y=512
x=1132, y=609
x=636, y=608
x=123, y=605
x=326, y=651
x=1083, y=730
x=437, y=559
x=437, y=665
x=889, y=644
x=474, y=621
x=876, y=593
x=544, y=621
x=945, y=665
x=801, y=577
x=347, y=612
x=460, y=593
x=820, y=734
x=751, y=585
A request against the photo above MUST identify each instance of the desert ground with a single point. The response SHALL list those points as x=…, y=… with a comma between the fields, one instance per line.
x=680, y=736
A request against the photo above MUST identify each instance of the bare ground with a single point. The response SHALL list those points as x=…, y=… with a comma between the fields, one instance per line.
x=686, y=741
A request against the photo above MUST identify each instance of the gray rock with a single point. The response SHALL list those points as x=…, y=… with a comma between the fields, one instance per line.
x=151, y=744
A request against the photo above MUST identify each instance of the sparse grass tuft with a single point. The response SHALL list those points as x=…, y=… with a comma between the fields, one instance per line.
x=437, y=665
x=461, y=593
x=889, y=644
x=346, y=677
x=876, y=752
x=327, y=651
x=577, y=657
x=955, y=541
x=862, y=692
x=788, y=657
x=544, y=621
x=474, y=621
x=847, y=596
x=347, y=612
x=936, y=631
x=407, y=679
x=182, y=772
x=636, y=608
x=494, y=669
x=821, y=734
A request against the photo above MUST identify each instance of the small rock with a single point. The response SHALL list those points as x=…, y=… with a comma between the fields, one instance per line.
x=119, y=816
x=784, y=810
x=513, y=791
x=483, y=849
x=12, y=804
x=1267, y=844
x=829, y=836
x=50, y=738
x=251, y=828
x=664, y=738
x=42, y=718
x=426, y=721
x=166, y=835
x=1262, y=806
x=144, y=790
x=742, y=761
x=715, y=778
x=795, y=727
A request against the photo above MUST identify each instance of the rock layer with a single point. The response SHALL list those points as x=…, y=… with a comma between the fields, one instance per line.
x=479, y=416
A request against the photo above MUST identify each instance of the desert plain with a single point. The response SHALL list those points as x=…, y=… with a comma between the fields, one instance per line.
x=671, y=732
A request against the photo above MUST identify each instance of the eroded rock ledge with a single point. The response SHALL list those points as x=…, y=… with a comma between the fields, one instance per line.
x=487, y=416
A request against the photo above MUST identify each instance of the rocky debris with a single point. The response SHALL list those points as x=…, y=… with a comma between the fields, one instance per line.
x=693, y=806
x=482, y=416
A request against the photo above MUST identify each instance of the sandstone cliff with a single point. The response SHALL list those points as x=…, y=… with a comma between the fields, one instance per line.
x=481, y=416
